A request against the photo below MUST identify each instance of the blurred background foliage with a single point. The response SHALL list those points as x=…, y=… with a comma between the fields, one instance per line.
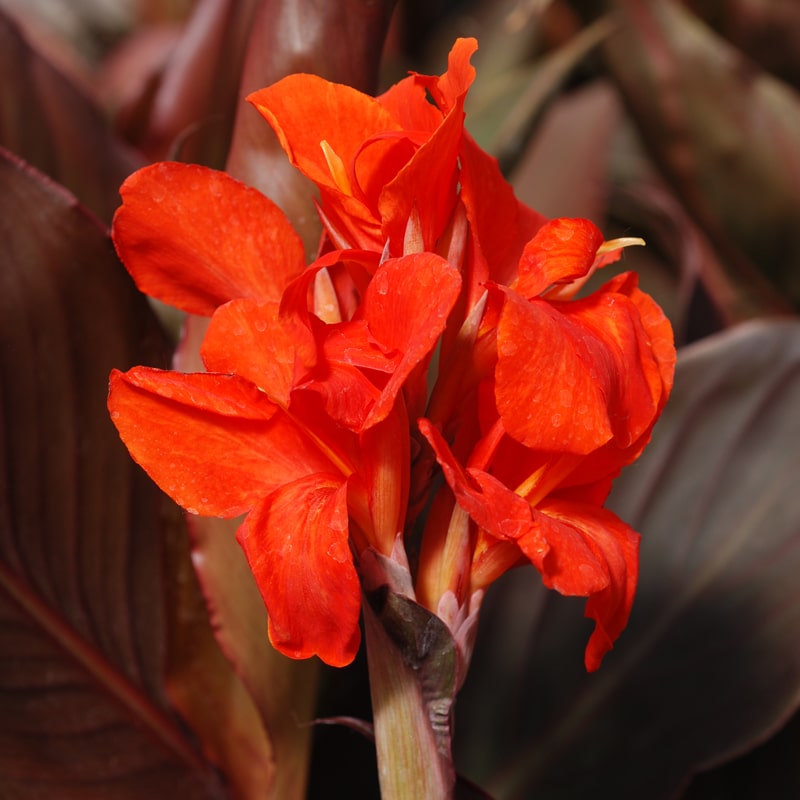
x=675, y=121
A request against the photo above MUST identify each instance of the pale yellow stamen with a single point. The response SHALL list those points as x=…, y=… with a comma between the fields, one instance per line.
x=566, y=291
x=618, y=244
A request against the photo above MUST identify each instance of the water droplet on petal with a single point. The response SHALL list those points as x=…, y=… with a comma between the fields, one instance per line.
x=381, y=281
x=338, y=552
x=564, y=232
x=508, y=348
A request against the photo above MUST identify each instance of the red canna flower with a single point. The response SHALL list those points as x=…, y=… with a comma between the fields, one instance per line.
x=300, y=422
x=378, y=161
x=374, y=159
x=564, y=395
x=306, y=418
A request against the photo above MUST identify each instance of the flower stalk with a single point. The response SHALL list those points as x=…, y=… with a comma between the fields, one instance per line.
x=410, y=702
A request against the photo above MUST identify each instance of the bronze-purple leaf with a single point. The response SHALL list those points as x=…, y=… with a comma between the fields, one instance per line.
x=52, y=124
x=723, y=132
x=83, y=712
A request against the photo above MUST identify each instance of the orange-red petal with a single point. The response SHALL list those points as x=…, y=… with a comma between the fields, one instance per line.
x=450, y=88
x=297, y=546
x=249, y=339
x=195, y=238
x=562, y=250
x=573, y=376
x=615, y=549
x=501, y=225
x=580, y=549
x=660, y=339
x=214, y=443
x=553, y=380
x=406, y=307
x=305, y=110
x=493, y=506
x=426, y=184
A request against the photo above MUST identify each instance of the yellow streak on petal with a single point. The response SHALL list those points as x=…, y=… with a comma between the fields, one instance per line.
x=547, y=478
x=336, y=166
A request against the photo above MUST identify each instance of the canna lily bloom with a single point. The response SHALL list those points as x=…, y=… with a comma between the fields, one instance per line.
x=316, y=373
x=568, y=397
x=301, y=421
x=375, y=159
x=378, y=162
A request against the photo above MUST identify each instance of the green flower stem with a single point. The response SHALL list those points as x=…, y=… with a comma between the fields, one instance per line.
x=412, y=733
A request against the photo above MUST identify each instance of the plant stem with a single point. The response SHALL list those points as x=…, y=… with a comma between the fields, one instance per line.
x=412, y=730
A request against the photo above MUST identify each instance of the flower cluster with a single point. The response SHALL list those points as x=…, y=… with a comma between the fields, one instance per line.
x=428, y=385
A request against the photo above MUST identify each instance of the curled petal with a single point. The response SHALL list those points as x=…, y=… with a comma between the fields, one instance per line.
x=579, y=549
x=450, y=89
x=659, y=337
x=347, y=394
x=408, y=103
x=195, y=238
x=214, y=443
x=562, y=250
x=493, y=506
x=426, y=185
x=615, y=549
x=641, y=366
x=297, y=546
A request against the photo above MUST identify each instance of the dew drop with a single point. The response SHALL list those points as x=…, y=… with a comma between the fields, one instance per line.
x=508, y=348
x=337, y=552
x=508, y=528
x=564, y=232
x=381, y=281
x=556, y=420
x=158, y=193
x=260, y=325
